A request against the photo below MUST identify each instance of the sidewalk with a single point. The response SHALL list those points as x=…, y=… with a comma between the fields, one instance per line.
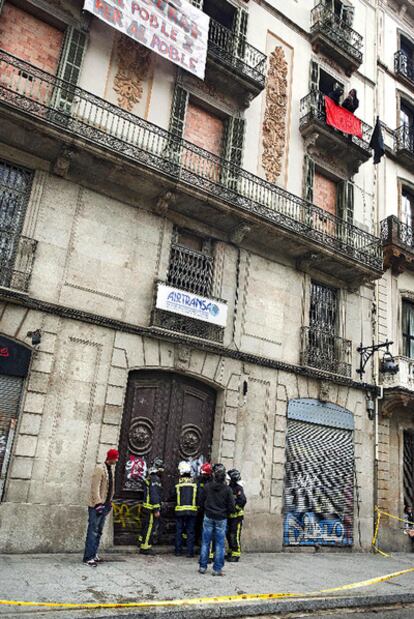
x=132, y=578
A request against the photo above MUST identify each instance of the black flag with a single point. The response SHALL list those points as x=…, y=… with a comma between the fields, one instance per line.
x=377, y=142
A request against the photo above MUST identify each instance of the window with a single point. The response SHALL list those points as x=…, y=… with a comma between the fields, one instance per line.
x=191, y=263
x=321, y=342
x=408, y=328
x=406, y=114
x=407, y=208
x=222, y=12
x=407, y=47
x=322, y=80
x=15, y=186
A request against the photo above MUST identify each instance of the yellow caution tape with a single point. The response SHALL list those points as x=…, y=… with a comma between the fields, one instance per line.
x=213, y=600
x=380, y=513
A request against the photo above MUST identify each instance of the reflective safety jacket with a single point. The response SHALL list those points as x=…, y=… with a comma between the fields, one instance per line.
x=239, y=499
x=153, y=491
x=186, y=497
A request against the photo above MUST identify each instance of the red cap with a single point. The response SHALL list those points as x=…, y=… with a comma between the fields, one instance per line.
x=113, y=454
x=206, y=469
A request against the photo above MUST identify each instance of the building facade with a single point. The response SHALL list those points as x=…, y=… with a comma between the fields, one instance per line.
x=131, y=190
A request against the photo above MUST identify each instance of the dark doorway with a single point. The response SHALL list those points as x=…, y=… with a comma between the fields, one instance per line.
x=169, y=416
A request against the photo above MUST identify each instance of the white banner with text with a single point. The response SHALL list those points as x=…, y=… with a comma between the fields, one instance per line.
x=174, y=29
x=191, y=305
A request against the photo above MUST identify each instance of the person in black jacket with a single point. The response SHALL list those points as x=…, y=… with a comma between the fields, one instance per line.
x=151, y=507
x=235, y=521
x=336, y=93
x=351, y=102
x=205, y=476
x=185, y=509
x=218, y=503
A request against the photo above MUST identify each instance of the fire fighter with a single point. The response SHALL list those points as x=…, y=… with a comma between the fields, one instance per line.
x=235, y=520
x=151, y=507
x=185, y=509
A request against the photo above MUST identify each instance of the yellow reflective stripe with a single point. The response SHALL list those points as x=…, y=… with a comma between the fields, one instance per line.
x=150, y=506
x=186, y=508
x=145, y=545
x=237, y=514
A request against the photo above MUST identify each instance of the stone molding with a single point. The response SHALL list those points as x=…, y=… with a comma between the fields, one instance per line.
x=274, y=123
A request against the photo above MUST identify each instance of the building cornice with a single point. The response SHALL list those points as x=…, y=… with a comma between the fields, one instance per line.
x=19, y=298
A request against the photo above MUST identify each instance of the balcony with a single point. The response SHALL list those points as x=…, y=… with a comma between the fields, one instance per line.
x=398, y=242
x=243, y=65
x=99, y=145
x=404, y=67
x=404, y=146
x=173, y=320
x=16, y=260
x=398, y=388
x=331, y=35
x=349, y=151
x=324, y=351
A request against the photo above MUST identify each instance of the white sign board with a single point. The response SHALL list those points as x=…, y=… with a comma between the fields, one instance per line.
x=191, y=305
x=174, y=29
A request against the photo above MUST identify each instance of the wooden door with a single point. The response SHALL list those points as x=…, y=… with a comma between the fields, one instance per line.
x=169, y=416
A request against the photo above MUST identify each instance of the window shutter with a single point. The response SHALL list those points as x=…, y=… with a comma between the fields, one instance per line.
x=308, y=178
x=345, y=201
x=233, y=150
x=314, y=76
x=179, y=108
x=73, y=51
x=240, y=31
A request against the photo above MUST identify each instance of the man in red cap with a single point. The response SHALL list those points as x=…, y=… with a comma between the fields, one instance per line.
x=100, y=504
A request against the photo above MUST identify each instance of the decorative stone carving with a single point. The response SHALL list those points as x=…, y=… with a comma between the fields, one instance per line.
x=239, y=233
x=324, y=391
x=274, y=124
x=164, y=201
x=182, y=357
x=62, y=162
x=134, y=62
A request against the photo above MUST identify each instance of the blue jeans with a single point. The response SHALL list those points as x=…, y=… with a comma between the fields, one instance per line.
x=94, y=533
x=213, y=530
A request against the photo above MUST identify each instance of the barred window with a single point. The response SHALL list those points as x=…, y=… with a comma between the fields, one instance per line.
x=15, y=184
x=191, y=263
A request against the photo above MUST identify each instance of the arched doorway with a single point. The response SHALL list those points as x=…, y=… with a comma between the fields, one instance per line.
x=166, y=415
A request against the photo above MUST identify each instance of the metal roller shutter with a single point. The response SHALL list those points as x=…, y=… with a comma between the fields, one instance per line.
x=319, y=475
x=10, y=393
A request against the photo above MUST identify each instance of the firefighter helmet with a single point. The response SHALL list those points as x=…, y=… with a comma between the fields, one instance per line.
x=206, y=469
x=234, y=475
x=157, y=466
x=184, y=468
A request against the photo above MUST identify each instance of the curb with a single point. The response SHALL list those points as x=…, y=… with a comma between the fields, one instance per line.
x=244, y=609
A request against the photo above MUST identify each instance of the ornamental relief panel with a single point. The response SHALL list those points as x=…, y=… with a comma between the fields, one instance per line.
x=274, y=124
x=134, y=63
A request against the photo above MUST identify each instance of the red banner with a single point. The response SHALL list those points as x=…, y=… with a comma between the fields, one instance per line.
x=341, y=119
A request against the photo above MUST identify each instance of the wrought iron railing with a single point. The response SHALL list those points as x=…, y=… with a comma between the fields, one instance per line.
x=234, y=51
x=336, y=28
x=16, y=260
x=403, y=65
x=404, y=138
x=313, y=107
x=75, y=111
x=190, y=270
x=394, y=231
x=326, y=351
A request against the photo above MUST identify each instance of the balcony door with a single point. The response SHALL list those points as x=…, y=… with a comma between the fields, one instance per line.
x=14, y=192
x=407, y=217
x=407, y=122
x=408, y=329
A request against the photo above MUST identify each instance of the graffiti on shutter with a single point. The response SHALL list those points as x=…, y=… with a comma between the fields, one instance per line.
x=319, y=475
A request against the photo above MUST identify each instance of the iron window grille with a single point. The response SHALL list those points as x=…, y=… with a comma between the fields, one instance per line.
x=404, y=65
x=322, y=348
x=16, y=251
x=191, y=269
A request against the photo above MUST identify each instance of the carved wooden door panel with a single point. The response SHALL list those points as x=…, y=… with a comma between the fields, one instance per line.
x=165, y=415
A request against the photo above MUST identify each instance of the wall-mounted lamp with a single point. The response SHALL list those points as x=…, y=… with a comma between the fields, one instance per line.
x=388, y=364
x=36, y=337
